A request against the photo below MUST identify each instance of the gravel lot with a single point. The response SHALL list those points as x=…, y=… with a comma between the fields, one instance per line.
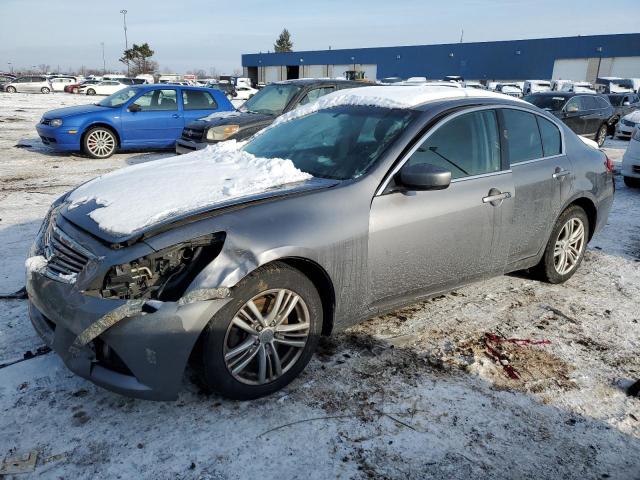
x=408, y=395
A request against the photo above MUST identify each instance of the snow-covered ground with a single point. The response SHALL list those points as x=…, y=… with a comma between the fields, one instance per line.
x=408, y=395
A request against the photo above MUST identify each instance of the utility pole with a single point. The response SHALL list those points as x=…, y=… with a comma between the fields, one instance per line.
x=10, y=67
x=462, y=35
x=104, y=65
x=126, y=42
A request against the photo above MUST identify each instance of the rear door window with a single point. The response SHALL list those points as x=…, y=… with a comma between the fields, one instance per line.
x=551, y=138
x=467, y=145
x=316, y=93
x=590, y=103
x=198, y=100
x=522, y=135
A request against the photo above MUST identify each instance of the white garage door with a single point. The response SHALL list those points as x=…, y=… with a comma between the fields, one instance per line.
x=315, y=71
x=625, y=67
x=570, y=69
x=271, y=74
x=370, y=71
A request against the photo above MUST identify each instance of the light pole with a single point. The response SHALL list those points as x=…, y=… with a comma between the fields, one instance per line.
x=599, y=50
x=10, y=67
x=104, y=65
x=126, y=42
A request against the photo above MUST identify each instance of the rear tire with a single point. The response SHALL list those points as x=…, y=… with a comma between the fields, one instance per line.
x=601, y=135
x=45, y=90
x=11, y=90
x=275, y=353
x=91, y=91
x=632, y=182
x=99, y=142
x=565, y=249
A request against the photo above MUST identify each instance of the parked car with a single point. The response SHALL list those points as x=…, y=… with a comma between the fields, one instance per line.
x=511, y=89
x=105, y=87
x=244, y=92
x=385, y=207
x=590, y=115
x=477, y=85
x=75, y=87
x=577, y=87
x=628, y=124
x=6, y=78
x=257, y=112
x=614, y=85
x=631, y=160
x=58, y=84
x=536, y=86
x=137, y=117
x=623, y=104
x=556, y=85
x=228, y=89
x=29, y=84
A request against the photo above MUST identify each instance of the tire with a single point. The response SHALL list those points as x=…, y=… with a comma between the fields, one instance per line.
x=75, y=90
x=226, y=347
x=601, y=134
x=11, y=90
x=554, y=272
x=45, y=90
x=91, y=91
x=632, y=182
x=99, y=142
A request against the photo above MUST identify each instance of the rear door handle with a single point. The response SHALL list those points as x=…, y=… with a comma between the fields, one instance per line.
x=560, y=173
x=496, y=197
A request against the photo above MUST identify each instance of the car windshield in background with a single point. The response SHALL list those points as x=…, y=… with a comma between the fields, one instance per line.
x=616, y=100
x=623, y=83
x=546, y=102
x=271, y=100
x=338, y=143
x=118, y=98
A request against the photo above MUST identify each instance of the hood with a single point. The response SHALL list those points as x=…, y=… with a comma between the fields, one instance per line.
x=126, y=204
x=230, y=118
x=70, y=111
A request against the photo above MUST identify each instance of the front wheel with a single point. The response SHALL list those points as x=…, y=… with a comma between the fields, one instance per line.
x=11, y=89
x=91, y=91
x=601, y=136
x=45, y=90
x=264, y=337
x=632, y=182
x=99, y=142
x=566, y=247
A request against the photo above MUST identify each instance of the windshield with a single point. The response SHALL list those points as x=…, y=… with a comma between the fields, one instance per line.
x=623, y=83
x=271, y=100
x=338, y=143
x=547, y=102
x=118, y=98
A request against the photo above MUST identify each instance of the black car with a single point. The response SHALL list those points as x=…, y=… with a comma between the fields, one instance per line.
x=257, y=112
x=587, y=114
x=228, y=88
x=624, y=104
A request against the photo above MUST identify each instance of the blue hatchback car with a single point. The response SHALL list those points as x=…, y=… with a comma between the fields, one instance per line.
x=137, y=117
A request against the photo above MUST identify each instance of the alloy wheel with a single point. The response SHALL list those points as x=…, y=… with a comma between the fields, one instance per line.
x=569, y=246
x=45, y=90
x=101, y=143
x=266, y=336
x=11, y=89
x=602, y=135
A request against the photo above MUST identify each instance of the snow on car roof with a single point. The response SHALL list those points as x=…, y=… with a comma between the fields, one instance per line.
x=388, y=96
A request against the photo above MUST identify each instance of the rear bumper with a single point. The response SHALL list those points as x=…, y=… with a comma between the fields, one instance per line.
x=631, y=160
x=188, y=146
x=59, y=138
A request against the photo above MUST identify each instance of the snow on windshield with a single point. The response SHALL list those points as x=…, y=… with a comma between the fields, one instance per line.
x=135, y=197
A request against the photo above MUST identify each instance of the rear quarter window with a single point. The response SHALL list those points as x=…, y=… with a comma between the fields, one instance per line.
x=551, y=138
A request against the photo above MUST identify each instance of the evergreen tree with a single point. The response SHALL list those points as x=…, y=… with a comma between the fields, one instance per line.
x=284, y=43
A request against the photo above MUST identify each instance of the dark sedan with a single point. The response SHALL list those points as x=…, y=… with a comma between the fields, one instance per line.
x=257, y=112
x=589, y=115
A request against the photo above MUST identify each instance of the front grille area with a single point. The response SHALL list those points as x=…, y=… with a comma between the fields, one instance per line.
x=192, y=134
x=65, y=258
x=628, y=123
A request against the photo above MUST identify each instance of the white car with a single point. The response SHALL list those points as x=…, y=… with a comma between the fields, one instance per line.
x=536, y=86
x=244, y=92
x=631, y=160
x=58, y=83
x=626, y=125
x=106, y=87
x=511, y=89
x=578, y=87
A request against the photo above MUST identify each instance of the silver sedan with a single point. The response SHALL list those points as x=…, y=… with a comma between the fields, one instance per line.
x=405, y=193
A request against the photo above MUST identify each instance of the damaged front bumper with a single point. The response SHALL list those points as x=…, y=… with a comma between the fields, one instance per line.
x=137, y=348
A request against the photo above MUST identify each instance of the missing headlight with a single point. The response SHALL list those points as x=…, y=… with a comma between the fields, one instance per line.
x=163, y=275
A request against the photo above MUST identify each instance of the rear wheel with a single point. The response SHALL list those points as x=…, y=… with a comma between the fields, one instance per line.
x=11, y=89
x=99, y=142
x=45, y=90
x=601, y=136
x=632, y=182
x=566, y=247
x=264, y=337
x=91, y=91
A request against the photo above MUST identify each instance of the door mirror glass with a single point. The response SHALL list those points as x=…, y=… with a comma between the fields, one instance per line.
x=424, y=176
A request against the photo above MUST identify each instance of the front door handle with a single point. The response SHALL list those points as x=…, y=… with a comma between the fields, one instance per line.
x=558, y=174
x=175, y=115
x=496, y=197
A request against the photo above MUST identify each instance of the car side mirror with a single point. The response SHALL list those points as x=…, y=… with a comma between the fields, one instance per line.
x=626, y=104
x=134, y=107
x=424, y=176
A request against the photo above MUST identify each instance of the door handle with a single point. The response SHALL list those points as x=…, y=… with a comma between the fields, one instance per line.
x=496, y=197
x=175, y=115
x=560, y=173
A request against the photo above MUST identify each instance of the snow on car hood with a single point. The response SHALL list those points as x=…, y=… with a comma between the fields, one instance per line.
x=633, y=117
x=133, y=198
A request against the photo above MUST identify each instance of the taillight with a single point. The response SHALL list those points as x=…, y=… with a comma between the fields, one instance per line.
x=608, y=163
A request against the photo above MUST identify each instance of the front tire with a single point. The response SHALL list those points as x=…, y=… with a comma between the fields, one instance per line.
x=11, y=89
x=45, y=90
x=99, y=142
x=264, y=337
x=91, y=91
x=601, y=135
x=632, y=182
x=565, y=249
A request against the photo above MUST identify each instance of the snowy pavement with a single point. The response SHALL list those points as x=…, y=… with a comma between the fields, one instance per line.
x=408, y=395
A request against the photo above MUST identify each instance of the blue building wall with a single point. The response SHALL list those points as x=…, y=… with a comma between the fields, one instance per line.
x=513, y=59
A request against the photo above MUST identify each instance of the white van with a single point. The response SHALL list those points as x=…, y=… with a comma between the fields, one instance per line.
x=536, y=86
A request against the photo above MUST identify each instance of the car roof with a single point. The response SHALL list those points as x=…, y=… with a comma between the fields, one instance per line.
x=312, y=81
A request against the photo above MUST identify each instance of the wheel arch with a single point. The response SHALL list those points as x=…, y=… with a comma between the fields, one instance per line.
x=106, y=125
x=590, y=209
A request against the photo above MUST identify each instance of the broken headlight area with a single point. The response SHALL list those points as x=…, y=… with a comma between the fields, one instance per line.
x=163, y=275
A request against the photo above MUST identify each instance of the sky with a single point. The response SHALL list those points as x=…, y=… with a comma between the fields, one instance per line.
x=199, y=34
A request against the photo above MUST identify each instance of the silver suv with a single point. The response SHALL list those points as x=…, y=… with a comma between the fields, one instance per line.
x=29, y=84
